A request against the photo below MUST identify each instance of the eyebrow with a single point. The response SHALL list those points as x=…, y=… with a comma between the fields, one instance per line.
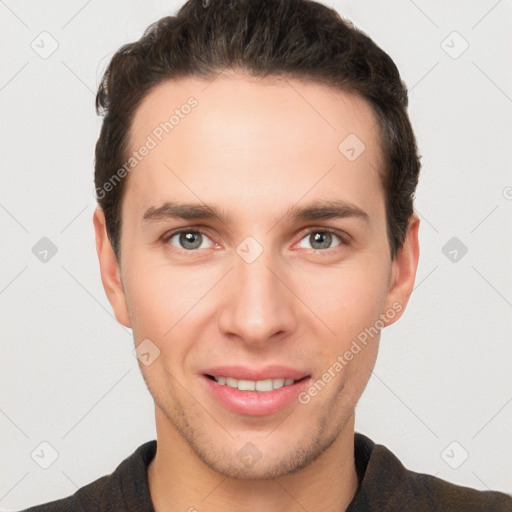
x=317, y=210
x=174, y=210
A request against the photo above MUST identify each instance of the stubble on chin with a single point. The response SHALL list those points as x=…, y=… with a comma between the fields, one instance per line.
x=225, y=457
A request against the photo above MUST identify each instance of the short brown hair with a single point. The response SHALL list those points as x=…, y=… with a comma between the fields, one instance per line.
x=299, y=39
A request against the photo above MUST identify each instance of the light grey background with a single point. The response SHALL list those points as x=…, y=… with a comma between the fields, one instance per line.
x=68, y=374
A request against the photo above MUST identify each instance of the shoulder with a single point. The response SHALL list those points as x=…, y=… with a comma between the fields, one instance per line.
x=126, y=488
x=436, y=494
x=387, y=485
x=86, y=498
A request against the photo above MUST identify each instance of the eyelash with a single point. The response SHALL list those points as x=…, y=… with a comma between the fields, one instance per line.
x=168, y=236
x=343, y=237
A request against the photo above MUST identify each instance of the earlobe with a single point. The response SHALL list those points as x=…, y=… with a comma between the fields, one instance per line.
x=109, y=269
x=403, y=273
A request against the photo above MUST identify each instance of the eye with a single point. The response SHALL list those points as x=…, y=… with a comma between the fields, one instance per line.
x=189, y=240
x=320, y=240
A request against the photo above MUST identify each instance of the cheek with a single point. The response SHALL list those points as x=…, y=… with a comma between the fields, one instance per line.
x=149, y=302
x=348, y=299
x=163, y=298
x=347, y=295
x=157, y=305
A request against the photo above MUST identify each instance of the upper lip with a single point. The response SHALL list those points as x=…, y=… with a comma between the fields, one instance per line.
x=262, y=373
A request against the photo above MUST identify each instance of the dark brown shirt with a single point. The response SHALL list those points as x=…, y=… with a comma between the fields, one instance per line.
x=384, y=486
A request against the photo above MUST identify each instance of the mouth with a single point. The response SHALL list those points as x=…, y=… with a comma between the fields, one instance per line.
x=268, y=392
x=261, y=386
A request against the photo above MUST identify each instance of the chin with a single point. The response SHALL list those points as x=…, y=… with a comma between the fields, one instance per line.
x=250, y=463
x=263, y=469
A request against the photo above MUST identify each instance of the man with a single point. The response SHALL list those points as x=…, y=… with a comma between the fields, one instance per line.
x=255, y=174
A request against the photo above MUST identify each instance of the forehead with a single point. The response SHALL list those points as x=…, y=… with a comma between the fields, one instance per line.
x=263, y=103
x=236, y=137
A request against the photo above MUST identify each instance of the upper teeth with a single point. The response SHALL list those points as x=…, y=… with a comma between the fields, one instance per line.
x=254, y=385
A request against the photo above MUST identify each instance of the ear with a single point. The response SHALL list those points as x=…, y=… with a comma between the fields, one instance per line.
x=110, y=270
x=403, y=272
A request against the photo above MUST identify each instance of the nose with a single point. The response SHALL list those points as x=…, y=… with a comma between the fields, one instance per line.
x=258, y=307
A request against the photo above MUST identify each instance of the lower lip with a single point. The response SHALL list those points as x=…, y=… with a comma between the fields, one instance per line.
x=255, y=403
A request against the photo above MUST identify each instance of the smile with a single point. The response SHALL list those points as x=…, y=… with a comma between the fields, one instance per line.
x=255, y=392
x=263, y=386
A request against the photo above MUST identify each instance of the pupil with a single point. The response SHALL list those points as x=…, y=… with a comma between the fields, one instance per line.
x=321, y=240
x=190, y=240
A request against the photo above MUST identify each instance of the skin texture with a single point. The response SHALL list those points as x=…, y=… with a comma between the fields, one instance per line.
x=254, y=148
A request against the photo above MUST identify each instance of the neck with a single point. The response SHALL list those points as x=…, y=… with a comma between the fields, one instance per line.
x=179, y=480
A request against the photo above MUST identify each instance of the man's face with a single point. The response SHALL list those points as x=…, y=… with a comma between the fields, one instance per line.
x=261, y=294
